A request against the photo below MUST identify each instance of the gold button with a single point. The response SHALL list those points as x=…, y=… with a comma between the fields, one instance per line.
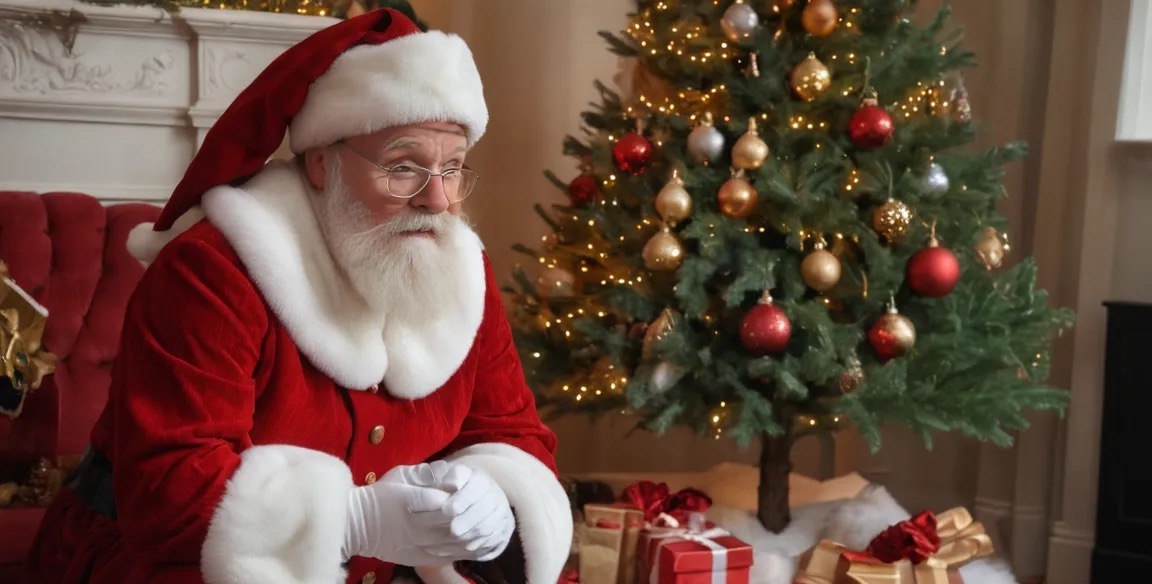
x=374, y=389
x=369, y=578
x=376, y=435
x=371, y=478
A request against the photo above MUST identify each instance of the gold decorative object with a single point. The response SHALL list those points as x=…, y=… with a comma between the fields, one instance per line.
x=991, y=248
x=810, y=78
x=23, y=363
x=663, y=253
x=962, y=540
x=820, y=268
x=656, y=331
x=737, y=197
x=891, y=219
x=750, y=151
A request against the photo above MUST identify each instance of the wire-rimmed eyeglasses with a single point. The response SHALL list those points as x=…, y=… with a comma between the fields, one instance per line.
x=404, y=181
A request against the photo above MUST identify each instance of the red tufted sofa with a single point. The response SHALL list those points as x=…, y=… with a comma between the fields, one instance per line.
x=68, y=250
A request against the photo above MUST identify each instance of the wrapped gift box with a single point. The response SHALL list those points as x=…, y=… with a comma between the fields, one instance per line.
x=693, y=556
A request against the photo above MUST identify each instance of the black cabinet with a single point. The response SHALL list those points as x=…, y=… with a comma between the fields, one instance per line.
x=1124, y=504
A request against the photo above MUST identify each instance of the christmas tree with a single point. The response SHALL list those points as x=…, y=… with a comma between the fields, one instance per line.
x=783, y=227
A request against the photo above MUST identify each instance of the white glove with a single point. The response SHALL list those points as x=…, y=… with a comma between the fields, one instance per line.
x=480, y=520
x=429, y=515
x=397, y=517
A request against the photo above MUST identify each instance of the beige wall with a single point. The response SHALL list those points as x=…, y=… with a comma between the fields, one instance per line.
x=539, y=59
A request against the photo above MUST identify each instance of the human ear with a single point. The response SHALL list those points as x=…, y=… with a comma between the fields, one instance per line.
x=314, y=167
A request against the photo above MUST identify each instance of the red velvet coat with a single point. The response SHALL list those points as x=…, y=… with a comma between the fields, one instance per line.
x=242, y=410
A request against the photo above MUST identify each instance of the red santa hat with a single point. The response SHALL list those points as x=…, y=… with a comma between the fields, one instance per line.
x=364, y=74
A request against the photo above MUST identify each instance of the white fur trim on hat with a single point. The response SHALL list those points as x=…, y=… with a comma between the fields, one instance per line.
x=421, y=77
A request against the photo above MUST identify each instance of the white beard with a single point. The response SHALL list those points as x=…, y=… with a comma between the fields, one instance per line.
x=401, y=276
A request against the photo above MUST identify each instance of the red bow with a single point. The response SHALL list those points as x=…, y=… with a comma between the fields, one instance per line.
x=915, y=539
x=653, y=499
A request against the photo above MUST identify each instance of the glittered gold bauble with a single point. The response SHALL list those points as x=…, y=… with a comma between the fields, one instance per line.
x=750, y=151
x=891, y=219
x=820, y=17
x=810, y=78
x=990, y=248
x=892, y=335
x=555, y=282
x=737, y=197
x=674, y=204
x=663, y=253
x=820, y=269
x=656, y=331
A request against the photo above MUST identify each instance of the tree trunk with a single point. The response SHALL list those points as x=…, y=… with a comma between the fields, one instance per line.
x=775, y=466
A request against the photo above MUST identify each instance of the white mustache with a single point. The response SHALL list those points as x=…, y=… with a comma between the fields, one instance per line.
x=437, y=224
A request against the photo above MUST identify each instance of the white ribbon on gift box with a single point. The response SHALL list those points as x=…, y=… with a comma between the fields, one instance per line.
x=694, y=532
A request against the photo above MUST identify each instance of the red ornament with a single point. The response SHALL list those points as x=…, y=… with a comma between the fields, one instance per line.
x=871, y=127
x=765, y=329
x=584, y=189
x=933, y=271
x=632, y=153
x=892, y=335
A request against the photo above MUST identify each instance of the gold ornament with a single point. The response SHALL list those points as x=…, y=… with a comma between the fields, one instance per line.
x=991, y=248
x=656, y=331
x=663, y=253
x=750, y=151
x=674, y=204
x=891, y=219
x=820, y=268
x=820, y=17
x=737, y=197
x=555, y=282
x=810, y=78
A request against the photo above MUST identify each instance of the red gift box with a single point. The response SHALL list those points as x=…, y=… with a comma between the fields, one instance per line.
x=683, y=556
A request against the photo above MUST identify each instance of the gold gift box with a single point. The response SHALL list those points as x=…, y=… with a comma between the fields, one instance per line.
x=22, y=359
x=962, y=539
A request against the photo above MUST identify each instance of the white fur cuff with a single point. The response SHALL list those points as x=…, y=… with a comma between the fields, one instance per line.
x=543, y=514
x=281, y=520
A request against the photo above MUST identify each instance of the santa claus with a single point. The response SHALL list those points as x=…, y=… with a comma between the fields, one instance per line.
x=317, y=380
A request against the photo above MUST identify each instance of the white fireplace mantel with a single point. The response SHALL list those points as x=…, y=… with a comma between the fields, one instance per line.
x=121, y=114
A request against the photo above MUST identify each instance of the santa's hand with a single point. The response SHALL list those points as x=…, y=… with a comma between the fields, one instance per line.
x=396, y=519
x=480, y=520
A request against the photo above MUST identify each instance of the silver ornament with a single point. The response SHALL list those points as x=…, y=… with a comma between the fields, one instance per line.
x=740, y=21
x=934, y=183
x=705, y=144
x=664, y=376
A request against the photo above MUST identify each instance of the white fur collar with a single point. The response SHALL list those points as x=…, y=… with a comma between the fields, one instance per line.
x=272, y=226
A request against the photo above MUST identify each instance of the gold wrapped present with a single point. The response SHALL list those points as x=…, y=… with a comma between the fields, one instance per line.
x=927, y=549
x=23, y=362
